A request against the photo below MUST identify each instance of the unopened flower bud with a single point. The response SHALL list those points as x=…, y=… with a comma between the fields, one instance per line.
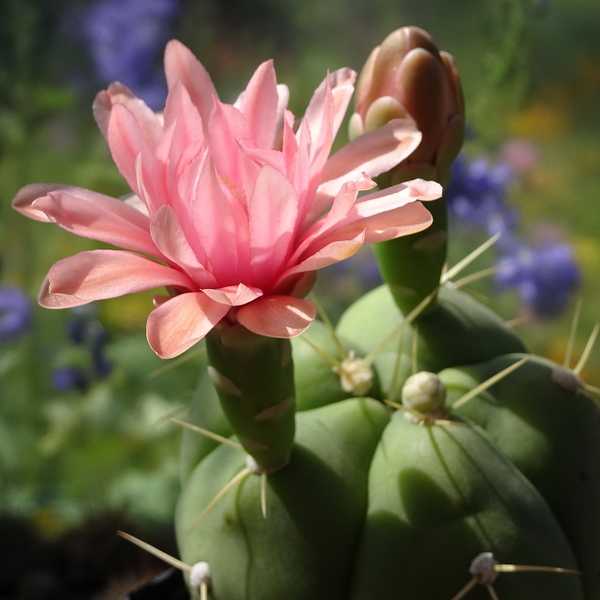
x=425, y=393
x=356, y=375
x=407, y=76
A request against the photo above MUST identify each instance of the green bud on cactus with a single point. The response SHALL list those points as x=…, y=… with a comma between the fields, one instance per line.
x=425, y=393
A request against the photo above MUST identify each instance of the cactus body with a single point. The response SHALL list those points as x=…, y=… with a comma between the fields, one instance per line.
x=304, y=548
x=438, y=496
x=551, y=431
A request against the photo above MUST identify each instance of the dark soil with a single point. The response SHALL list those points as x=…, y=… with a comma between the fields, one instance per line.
x=88, y=563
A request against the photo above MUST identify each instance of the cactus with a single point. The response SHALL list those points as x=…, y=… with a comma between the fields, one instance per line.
x=416, y=451
x=389, y=491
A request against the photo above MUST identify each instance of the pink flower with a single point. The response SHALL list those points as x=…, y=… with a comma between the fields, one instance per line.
x=235, y=208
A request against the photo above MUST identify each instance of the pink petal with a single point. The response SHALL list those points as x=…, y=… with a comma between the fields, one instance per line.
x=383, y=215
x=259, y=105
x=277, y=316
x=373, y=153
x=126, y=140
x=379, y=226
x=181, y=322
x=100, y=274
x=328, y=105
x=169, y=237
x=117, y=93
x=233, y=295
x=187, y=138
x=88, y=214
x=181, y=65
x=212, y=217
x=273, y=209
x=330, y=254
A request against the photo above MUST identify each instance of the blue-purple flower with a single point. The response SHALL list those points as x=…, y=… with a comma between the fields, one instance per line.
x=84, y=331
x=477, y=195
x=544, y=276
x=15, y=313
x=126, y=39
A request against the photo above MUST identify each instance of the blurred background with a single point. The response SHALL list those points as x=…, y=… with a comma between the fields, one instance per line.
x=83, y=439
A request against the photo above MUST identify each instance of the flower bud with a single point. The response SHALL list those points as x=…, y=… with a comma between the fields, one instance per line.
x=407, y=76
x=425, y=393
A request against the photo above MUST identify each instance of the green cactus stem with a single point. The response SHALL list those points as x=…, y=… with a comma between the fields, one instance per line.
x=412, y=265
x=254, y=379
x=304, y=549
x=438, y=496
x=549, y=428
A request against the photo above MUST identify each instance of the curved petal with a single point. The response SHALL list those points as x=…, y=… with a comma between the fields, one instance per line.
x=117, y=93
x=273, y=210
x=169, y=237
x=379, y=227
x=233, y=295
x=126, y=141
x=330, y=254
x=373, y=153
x=277, y=316
x=88, y=214
x=181, y=322
x=327, y=107
x=100, y=274
x=259, y=105
x=181, y=65
x=383, y=215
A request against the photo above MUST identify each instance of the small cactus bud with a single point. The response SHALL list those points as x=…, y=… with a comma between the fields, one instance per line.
x=200, y=575
x=483, y=568
x=567, y=379
x=356, y=376
x=425, y=393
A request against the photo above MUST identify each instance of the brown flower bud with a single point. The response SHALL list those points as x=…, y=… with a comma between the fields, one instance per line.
x=407, y=76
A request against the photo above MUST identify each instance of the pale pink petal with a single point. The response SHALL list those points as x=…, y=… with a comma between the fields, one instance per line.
x=117, y=93
x=182, y=66
x=283, y=95
x=215, y=225
x=378, y=226
x=277, y=316
x=126, y=140
x=330, y=254
x=100, y=274
x=169, y=237
x=187, y=138
x=233, y=295
x=88, y=214
x=383, y=215
x=323, y=120
x=273, y=210
x=181, y=322
x=373, y=153
x=26, y=196
x=259, y=105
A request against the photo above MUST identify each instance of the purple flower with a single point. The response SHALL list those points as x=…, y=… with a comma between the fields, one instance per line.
x=15, y=313
x=477, y=192
x=69, y=378
x=545, y=276
x=127, y=40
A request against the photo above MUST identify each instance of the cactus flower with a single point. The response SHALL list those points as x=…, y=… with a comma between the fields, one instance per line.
x=236, y=206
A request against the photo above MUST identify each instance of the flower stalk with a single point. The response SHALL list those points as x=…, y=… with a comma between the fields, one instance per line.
x=254, y=379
